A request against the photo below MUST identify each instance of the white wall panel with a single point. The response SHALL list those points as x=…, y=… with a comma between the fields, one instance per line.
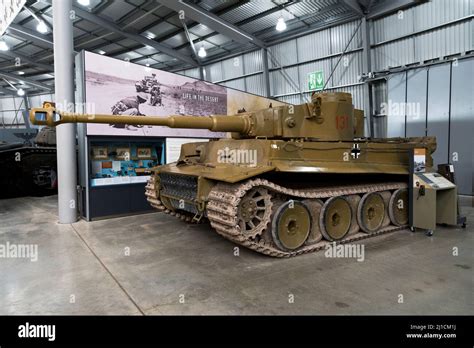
x=436, y=12
x=394, y=108
x=278, y=83
x=314, y=45
x=284, y=53
x=291, y=99
x=348, y=69
x=416, y=103
x=341, y=35
x=393, y=54
x=393, y=26
x=253, y=62
x=438, y=43
x=236, y=84
x=192, y=73
x=438, y=110
x=214, y=72
x=232, y=67
x=462, y=125
x=255, y=84
x=443, y=42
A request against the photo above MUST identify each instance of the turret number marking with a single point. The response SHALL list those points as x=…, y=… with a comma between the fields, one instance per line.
x=342, y=122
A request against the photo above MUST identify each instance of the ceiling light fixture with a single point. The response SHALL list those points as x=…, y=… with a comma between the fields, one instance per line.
x=101, y=52
x=281, y=25
x=84, y=2
x=41, y=27
x=19, y=91
x=202, y=52
x=3, y=46
x=21, y=73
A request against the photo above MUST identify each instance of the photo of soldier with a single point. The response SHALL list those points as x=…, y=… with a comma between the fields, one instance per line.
x=155, y=96
x=129, y=106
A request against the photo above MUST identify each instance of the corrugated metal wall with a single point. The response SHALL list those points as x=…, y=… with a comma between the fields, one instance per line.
x=396, y=40
x=419, y=105
x=411, y=45
x=313, y=53
x=10, y=107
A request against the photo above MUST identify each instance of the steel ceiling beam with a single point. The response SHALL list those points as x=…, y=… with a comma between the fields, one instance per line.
x=188, y=36
x=354, y=6
x=300, y=19
x=212, y=21
x=13, y=54
x=167, y=36
x=30, y=35
x=25, y=80
x=7, y=91
x=109, y=25
x=386, y=7
x=292, y=34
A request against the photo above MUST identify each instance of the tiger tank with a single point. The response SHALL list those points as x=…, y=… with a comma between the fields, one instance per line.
x=285, y=180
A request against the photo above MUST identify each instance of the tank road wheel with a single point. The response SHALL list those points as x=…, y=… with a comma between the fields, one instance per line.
x=398, y=207
x=254, y=212
x=291, y=225
x=371, y=212
x=167, y=203
x=335, y=219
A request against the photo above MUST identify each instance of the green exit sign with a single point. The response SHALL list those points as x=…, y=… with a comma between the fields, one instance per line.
x=316, y=80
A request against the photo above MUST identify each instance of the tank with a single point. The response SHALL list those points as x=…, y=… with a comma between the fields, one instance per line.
x=29, y=167
x=286, y=180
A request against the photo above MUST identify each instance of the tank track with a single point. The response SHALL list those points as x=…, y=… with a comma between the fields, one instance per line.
x=224, y=199
x=155, y=202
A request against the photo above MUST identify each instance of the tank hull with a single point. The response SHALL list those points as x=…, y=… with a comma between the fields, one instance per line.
x=27, y=171
x=242, y=188
x=231, y=160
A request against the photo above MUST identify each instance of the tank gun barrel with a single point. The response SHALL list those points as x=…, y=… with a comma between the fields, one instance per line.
x=217, y=123
x=329, y=116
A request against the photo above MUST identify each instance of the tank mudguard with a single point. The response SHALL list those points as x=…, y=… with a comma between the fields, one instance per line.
x=222, y=172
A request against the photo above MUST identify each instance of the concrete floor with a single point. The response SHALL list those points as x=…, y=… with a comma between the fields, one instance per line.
x=83, y=269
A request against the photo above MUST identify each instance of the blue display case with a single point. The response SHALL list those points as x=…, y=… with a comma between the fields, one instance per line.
x=118, y=169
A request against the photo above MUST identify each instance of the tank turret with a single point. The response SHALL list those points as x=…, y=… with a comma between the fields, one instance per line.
x=329, y=116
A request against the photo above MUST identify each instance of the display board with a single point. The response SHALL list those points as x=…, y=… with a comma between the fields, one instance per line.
x=10, y=9
x=114, y=86
x=113, y=166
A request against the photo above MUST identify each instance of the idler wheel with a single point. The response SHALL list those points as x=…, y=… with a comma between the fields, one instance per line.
x=254, y=212
x=398, y=207
x=371, y=212
x=291, y=225
x=335, y=218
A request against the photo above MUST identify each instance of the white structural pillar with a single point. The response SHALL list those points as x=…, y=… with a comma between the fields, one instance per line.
x=64, y=93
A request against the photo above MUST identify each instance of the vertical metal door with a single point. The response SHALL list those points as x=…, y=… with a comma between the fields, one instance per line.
x=438, y=110
x=394, y=106
x=462, y=124
x=415, y=108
